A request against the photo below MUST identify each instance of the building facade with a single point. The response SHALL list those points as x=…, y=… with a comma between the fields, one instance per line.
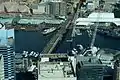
x=7, y=50
x=94, y=72
x=57, y=8
x=1, y=67
x=89, y=68
x=9, y=67
x=117, y=70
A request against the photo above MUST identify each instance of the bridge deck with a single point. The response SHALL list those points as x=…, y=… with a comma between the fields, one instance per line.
x=55, y=39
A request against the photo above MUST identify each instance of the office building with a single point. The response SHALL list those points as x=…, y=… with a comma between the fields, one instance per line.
x=9, y=68
x=7, y=50
x=89, y=68
x=117, y=70
x=1, y=67
x=55, y=67
x=56, y=8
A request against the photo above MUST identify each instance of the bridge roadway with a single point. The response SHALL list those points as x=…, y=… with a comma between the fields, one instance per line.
x=56, y=38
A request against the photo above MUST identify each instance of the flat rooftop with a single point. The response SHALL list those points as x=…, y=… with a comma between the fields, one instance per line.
x=108, y=54
x=56, y=71
x=98, y=17
x=6, y=36
x=38, y=21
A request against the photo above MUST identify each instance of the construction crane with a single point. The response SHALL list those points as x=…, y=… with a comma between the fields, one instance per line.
x=95, y=32
x=96, y=27
x=75, y=17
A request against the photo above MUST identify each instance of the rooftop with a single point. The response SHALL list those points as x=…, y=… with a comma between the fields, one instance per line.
x=88, y=59
x=87, y=21
x=56, y=71
x=108, y=54
x=6, y=20
x=38, y=21
x=101, y=15
x=5, y=36
x=13, y=7
x=55, y=67
x=52, y=0
x=98, y=17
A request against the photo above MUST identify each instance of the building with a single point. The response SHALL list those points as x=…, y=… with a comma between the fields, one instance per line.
x=92, y=4
x=4, y=1
x=1, y=67
x=117, y=70
x=55, y=67
x=37, y=21
x=7, y=50
x=50, y=8
x=89, y=68
x=98, y=17
x=13, y=7
x=56, y=8
x=106, y=57
x=52, y=0
x=9, y=68
x=27, y=1
x=117, y=67
x=38, y=8
x=31, y=1
x=108, y=6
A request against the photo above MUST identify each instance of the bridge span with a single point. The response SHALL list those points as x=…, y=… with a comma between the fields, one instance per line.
x=56, y=38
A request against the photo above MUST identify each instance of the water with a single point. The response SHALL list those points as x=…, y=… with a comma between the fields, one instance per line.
x=101, y=41
x=36, y=41
x=30, y=41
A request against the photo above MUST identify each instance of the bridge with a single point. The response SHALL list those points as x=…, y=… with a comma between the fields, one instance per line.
x=56, y=38
x=63, y=27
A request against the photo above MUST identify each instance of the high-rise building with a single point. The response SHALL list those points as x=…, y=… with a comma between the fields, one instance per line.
x=7, y=50
x=57, y=8
x=1, y=67
x=89, y=68
x=9, y=67
x=117, y=70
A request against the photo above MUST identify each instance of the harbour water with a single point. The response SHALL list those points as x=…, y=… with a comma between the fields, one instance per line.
x=36, y=41
x=30, y=41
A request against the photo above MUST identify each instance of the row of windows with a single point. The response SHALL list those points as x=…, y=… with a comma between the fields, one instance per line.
x=8, y=62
